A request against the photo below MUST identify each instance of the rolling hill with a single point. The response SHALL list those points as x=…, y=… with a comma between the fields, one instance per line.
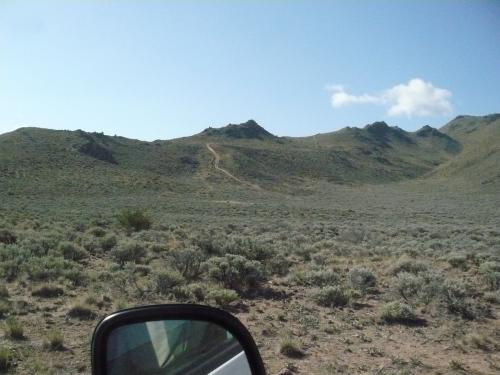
x=34, y=160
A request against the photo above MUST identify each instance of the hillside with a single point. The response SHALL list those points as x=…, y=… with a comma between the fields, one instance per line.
x=34, y=160
x=480, y=158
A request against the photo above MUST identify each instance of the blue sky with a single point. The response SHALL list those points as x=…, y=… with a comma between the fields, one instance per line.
x=164, y=69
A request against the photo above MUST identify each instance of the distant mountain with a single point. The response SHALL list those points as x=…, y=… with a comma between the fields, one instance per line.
x=246, y=130
x=34, y=160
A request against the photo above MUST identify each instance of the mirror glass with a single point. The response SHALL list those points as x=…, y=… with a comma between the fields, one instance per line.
x=174, y=347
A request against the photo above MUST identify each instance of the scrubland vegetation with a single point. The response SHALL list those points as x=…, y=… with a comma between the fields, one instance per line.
x=332, y=271
x=345, y=281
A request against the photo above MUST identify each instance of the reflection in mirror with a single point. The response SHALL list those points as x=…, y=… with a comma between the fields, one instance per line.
x=171, y=347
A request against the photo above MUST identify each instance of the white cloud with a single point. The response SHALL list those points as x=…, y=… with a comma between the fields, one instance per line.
x=415, y=98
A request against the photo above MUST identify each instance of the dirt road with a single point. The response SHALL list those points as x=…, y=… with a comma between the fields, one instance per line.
x=227, y=173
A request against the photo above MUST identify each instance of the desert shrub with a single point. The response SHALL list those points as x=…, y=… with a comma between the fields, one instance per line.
x=304, y=252
x=407, y=285
x=41, y=245
x=458, y=261
x=278, y=265
x=362, y=278
x=4, y=308
x=332, y=296
x=490, y=274
x=6, y=359
x=10, y=269
x=72, y=252
x=108, y=242
x=208, y=244
x=158, y=248
x=128, y=251
x=54, y=340
x=14, y=328
x=4, y=292
x=133, y=220
x=492, y=297
x=235, y=272
x=432, y=285
x=481, y=341
x=77, y=277
x=397, y=312
x=7, y=237
x=142, y=270
x=91, y=244
x=97, y=231
x=319, y=259
x=352, y=235
x=47, y=268
x=289, y=347
x=48, y=291
x=81, y=311
x=409, y=265
x=318, y=278
x=198, y=291
x=250, y=249
x=188, y=262
x=456, y=297
x=222, y=297
x=166, y=280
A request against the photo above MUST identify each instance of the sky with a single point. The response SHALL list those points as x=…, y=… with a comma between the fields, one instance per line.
x=166, y=69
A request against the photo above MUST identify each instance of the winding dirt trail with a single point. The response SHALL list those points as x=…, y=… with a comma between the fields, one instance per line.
x=216, y=163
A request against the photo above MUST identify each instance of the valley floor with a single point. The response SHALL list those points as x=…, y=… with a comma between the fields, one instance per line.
x=388, y=279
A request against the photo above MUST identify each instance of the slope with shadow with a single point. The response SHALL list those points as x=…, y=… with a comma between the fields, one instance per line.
x=374, y=154
x=34, y=160
x=479, y=160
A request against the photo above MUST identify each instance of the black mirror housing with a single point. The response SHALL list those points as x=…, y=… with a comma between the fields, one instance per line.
x=172, y=312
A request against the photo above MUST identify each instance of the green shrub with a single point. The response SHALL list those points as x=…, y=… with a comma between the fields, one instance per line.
x=73, y=252
x=4, y=292
x=54, y=340
x=222, y=297
x=278, y=265
x=492, y=297
x=6, y=359
x=188, y=262
x=458, y=261
x=456, y=296
x=128, y=251
x=48, y=291
x=235, y=272
x=7, y=237
x=332, y=296
x=81, y=311
x=397, y=312
x=91, y=244
x=409, y=265
x=317, y=278
x=47, y=268
x=4, y=308
x=362, y=278
x=14, y=328
x=490, y=274
x=97, y=231
x=290, y=348
x=10, y=269
x=198, y=291
x=108, y=242
x=408, y=285
x=166, y=280
x=133, y=220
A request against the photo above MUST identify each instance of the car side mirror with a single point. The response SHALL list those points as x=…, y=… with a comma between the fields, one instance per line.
x=172, y=340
